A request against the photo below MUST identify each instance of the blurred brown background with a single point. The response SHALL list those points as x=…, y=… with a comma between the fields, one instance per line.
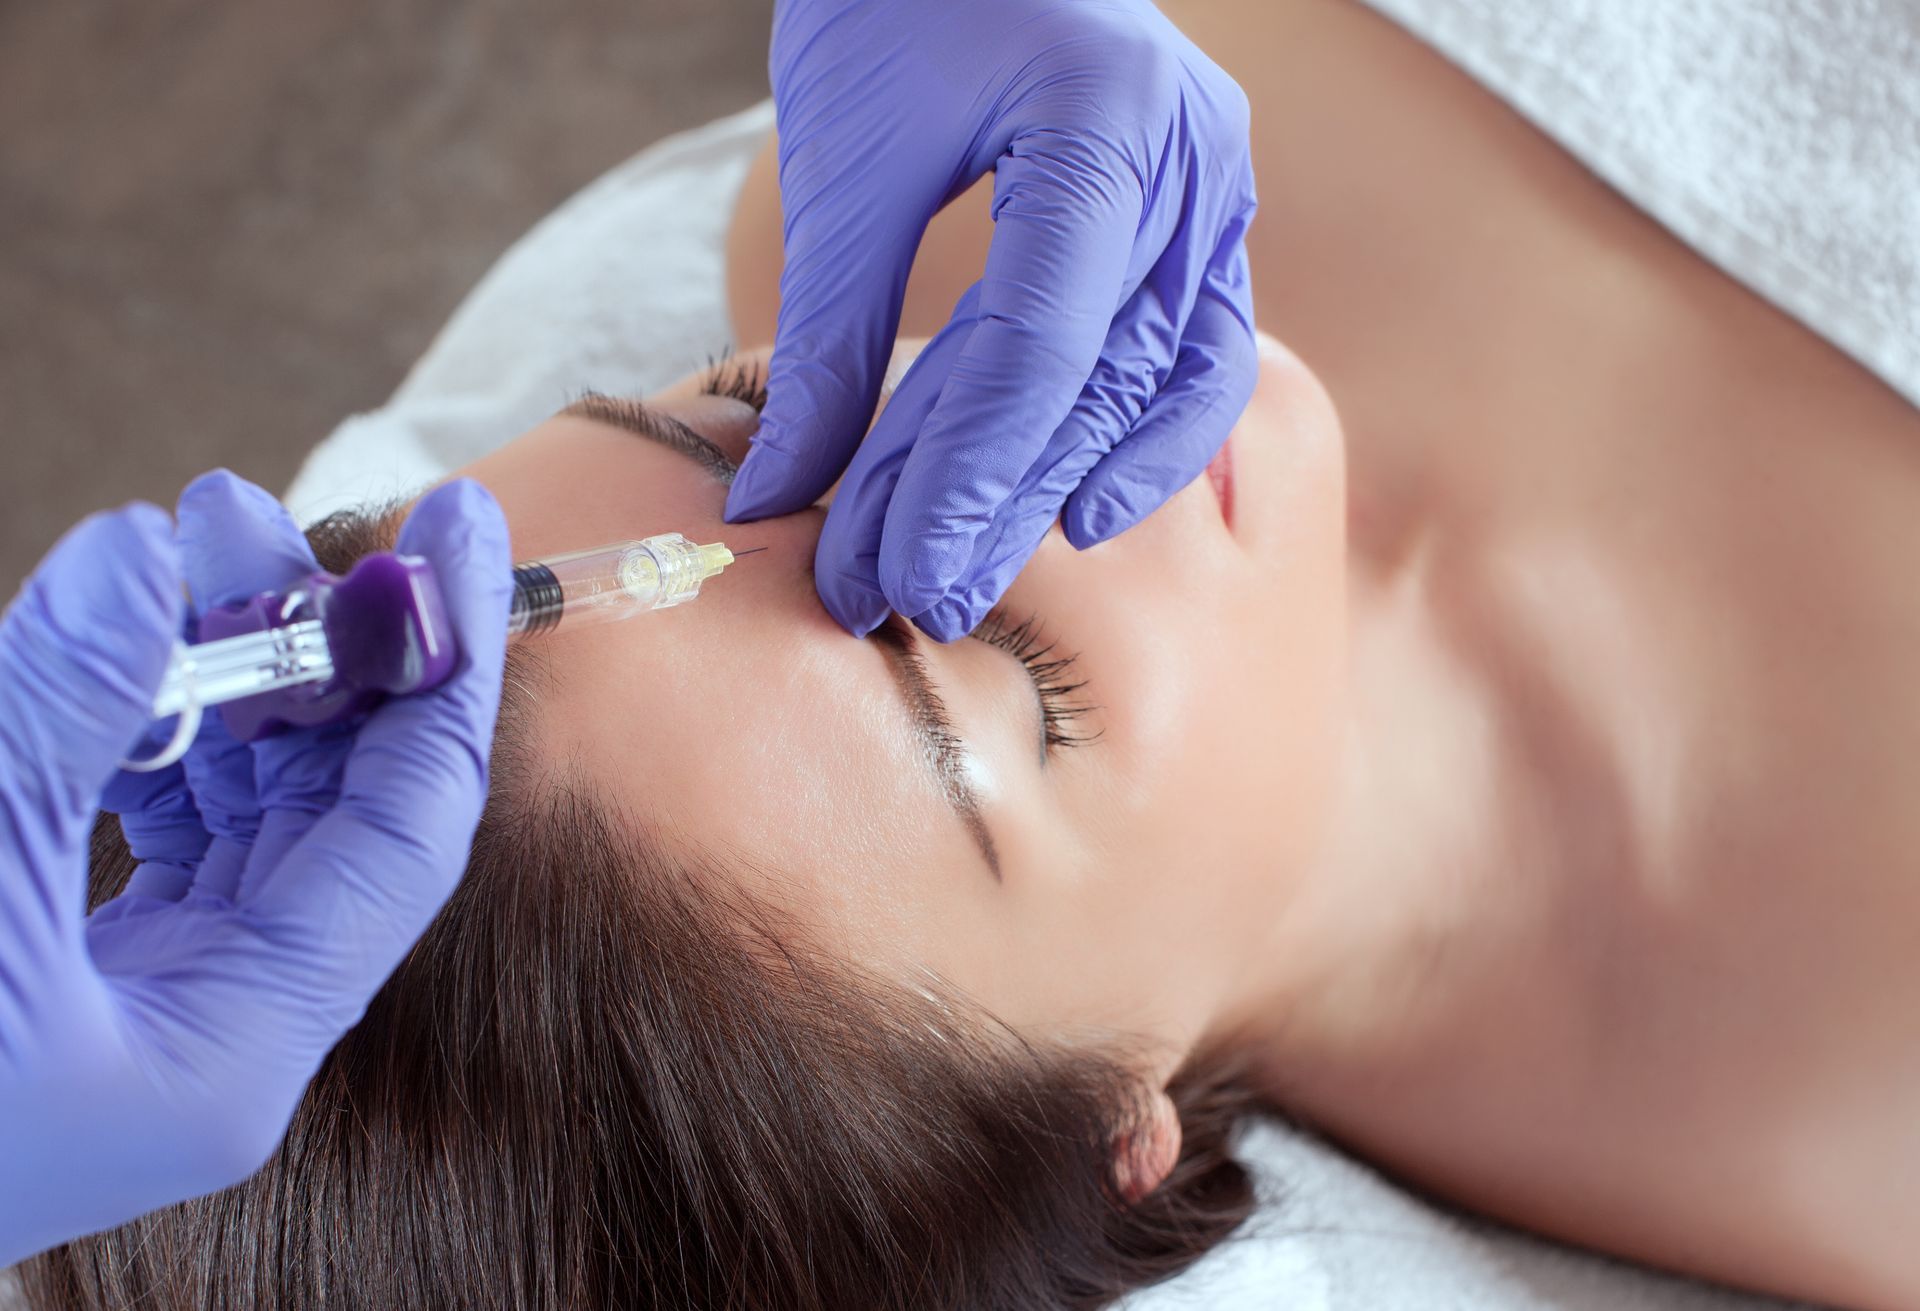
x=226, y=224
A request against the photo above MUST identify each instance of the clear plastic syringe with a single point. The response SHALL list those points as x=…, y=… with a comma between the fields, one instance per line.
x=611, y=582
x=390, y=630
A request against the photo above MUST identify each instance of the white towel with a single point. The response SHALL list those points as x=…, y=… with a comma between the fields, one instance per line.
x=1779, y=138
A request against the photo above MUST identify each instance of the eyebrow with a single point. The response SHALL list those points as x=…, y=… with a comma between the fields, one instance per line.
x=942, y=747
x=635, y=417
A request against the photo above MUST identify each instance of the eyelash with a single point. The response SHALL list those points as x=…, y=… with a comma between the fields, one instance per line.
x=738, y=378
x=1052, y=675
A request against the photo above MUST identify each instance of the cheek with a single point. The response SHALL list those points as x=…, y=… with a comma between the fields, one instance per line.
x=1228, y=758
x=1268, y=692
x=1222, y=677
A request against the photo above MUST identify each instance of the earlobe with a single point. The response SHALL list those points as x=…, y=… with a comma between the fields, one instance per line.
x=1145, y=1155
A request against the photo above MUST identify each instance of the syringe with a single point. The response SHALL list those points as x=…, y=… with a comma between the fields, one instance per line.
x=611, y=582
x=329, y=647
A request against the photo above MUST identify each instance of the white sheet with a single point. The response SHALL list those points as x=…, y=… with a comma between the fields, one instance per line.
x=620, y=290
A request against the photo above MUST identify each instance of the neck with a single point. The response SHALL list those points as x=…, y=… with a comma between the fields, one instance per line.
x=1409, y=920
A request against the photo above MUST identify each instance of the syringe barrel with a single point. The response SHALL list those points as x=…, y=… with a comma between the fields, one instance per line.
x=610, y=582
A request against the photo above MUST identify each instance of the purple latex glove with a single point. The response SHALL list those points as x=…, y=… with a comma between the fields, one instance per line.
x=154, y=1051
x=1095, y=369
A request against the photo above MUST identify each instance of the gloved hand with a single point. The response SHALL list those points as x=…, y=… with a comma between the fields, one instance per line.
x=1095, y=369
x=154, y=1051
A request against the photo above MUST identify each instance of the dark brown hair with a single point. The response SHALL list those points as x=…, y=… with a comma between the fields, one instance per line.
x=602, y=1080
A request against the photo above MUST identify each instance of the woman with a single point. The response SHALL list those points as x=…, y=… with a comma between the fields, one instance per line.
x=1502, y=776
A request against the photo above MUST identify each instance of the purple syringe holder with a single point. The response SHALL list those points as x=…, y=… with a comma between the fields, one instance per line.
x=386, y=628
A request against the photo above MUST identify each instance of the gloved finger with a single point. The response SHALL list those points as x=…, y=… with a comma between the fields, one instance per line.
x=1066, y=212
x=299, y=774
x=161, y=825
x=153, y=883
x=237, y=541
x=163, y=829
x=1188, y=421
x=846, y=560
x=82, y=651
x=840, y=291
x=1136, y=356
x=363, y=880
x=220, y=771
x=964, y=608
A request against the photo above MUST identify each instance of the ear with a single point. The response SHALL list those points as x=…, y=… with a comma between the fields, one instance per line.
x=1145, y=1154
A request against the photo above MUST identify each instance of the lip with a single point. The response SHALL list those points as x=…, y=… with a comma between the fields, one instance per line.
x=1220, y=477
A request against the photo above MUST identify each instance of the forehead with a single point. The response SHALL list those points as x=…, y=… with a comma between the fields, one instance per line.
x=747, y=727
x=781, y=762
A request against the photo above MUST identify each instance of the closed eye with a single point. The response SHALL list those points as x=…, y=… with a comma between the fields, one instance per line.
x=737, y=377
x=1054, y=686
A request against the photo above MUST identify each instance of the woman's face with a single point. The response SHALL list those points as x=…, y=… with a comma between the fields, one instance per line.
x=1135, y=878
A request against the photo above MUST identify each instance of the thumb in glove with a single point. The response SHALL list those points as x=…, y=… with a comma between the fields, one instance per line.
x=82, y=650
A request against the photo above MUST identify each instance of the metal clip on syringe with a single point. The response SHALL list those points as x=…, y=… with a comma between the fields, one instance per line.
x=328, y=648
